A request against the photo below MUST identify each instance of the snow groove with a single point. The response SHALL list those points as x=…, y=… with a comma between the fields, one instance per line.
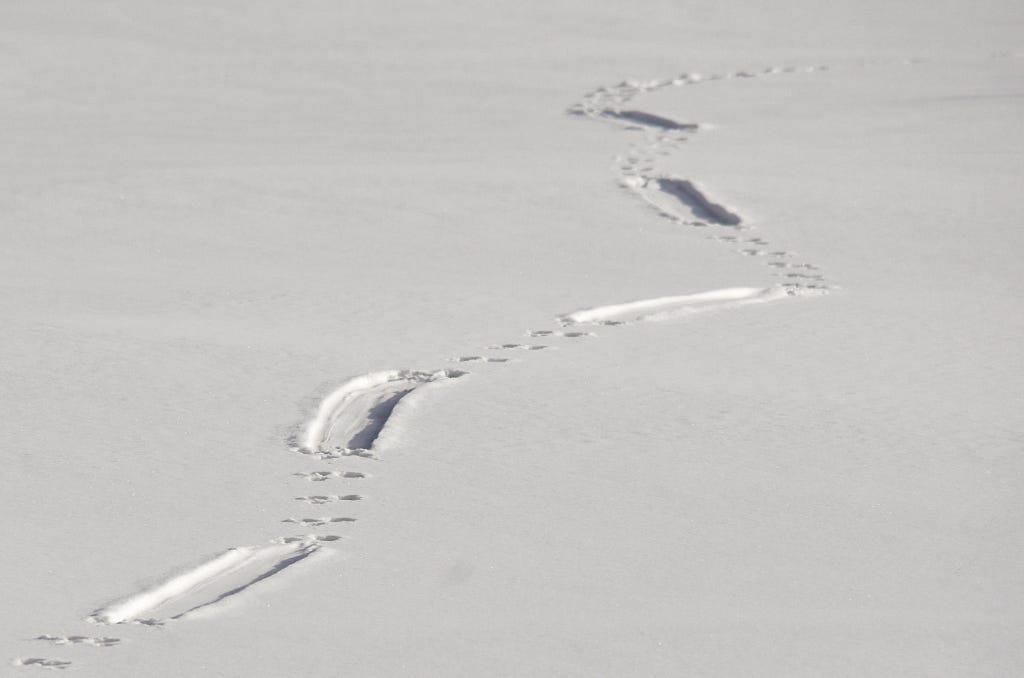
x=350, y=420
x=666, y=308
x=79, y=640
x=207, y=584
x=43, y=663
x=682, y=200
x=640, y=119
x=355, y=413
x=693, y=197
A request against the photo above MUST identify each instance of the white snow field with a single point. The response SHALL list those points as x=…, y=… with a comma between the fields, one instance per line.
x=327, y=341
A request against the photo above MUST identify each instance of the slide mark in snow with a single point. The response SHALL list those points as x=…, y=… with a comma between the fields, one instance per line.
x=555, y=333
x=478, y=359
x=317, y=522
x=40, y=662
x=666, y=193
x=206, y=585
x=79, y=640
x=320, y=476
x=309, y=539
x=318, y=499
x=663, y=136
x=643, y=119
x=693, y=197
x=350, y=419
x=516, y=347
x=666, y=308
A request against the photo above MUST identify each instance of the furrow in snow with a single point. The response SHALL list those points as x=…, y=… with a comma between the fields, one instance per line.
x=205, y=585
x=644, y=119
x=666, y=308
x=353, y=415
x=688, y=193
x=42, y=663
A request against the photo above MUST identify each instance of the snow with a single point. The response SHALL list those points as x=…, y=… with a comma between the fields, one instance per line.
x=216, y=217
x=667, y=308
x=206, y=585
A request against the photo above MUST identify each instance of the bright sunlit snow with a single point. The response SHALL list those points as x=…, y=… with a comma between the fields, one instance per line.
x=328, y=346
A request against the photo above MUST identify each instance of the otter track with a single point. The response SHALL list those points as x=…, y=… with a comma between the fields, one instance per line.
x=682, y=200
x=350, y=425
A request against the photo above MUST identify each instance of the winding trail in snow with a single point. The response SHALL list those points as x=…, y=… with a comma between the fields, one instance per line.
x=354, y=415
x=351, y=420
x=205, y=585
x=665, y=308
x=686, y=202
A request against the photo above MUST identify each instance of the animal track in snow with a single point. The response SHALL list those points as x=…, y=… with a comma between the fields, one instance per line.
x=351, y=418
x=516, y=347
x=318, y=499
x=320, y=476
x=206, y=585
x=805, y=288
x=666, y=308
x=642, y=119
x=696, y=199
x=79, y=640
x=666, y=194
x=338, y=452
x=801, y=276
x=786, y=264
x=309, y=539
x=317, y=522
x=478, y=359
x=663, y=135
x=556, y=333
x=52, y=664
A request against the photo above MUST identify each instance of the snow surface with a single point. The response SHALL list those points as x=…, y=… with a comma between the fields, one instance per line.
x=216, y=215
